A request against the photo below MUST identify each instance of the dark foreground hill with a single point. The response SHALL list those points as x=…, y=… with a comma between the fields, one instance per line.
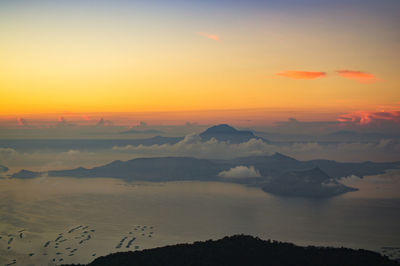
x=243, y=250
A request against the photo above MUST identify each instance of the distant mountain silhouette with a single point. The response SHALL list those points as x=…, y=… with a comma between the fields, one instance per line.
x=3, y=169
x=84, y=144
x=242, y=250
x=227, y=133
x=280, y=174
x=220, y=132
x=137, y=132
x=26, y=174
x=149, y=169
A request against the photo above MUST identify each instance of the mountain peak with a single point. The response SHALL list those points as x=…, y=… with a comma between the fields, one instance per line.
x=224, y=132
x=278, y=155
x=222, y=128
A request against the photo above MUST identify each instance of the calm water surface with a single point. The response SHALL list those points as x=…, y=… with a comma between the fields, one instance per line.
x=157, y=214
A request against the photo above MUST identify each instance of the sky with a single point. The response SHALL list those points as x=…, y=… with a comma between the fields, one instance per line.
x=325, y=60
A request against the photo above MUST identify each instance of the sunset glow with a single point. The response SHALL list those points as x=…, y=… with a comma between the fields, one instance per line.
x=126, y=57
x=133, y=130
x=358, y=75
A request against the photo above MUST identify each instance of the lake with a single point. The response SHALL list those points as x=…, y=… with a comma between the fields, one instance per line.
x=105, y=214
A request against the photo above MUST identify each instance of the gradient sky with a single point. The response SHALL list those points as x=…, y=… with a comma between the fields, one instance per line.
x=152, y=56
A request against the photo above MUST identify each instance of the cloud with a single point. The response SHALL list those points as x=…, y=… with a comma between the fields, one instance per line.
x=385, y=185
x=103, y=123
x=86, y=117
x=293, y=74
x=359, y=76
x=62, y=122
x=61, y=119
x=45, y=160
x=209, y=36
x=191, y=145
x=371, y=124
x=240, y=172
x=294, y=126
x=389, y=177
x=22, y=121
x=365, y=117
x=330, y=183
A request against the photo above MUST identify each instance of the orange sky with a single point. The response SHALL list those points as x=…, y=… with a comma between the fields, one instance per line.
x=79, y=60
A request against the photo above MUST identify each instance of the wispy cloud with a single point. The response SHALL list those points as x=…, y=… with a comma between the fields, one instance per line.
x=293, y=74
x=209, y=36
x=359, y=76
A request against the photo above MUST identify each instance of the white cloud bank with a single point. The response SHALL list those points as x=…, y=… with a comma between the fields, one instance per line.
x=191, y=145
x=386, y=185
x=240, y=172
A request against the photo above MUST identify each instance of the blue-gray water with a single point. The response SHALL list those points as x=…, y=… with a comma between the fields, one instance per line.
x=183, y=212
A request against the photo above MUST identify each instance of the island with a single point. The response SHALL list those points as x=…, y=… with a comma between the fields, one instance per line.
x=277, y=174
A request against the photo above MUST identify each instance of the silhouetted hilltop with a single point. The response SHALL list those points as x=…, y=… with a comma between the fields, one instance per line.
x=150, y=169
x=227, y=133
x=26, y=174
x=242, y=250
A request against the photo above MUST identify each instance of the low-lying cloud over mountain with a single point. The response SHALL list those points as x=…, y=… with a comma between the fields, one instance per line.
x=240, y=171
x=191, y=145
